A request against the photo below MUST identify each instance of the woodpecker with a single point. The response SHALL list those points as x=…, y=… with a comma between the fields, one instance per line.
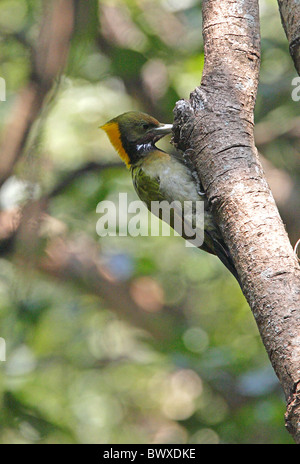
x=158, y=176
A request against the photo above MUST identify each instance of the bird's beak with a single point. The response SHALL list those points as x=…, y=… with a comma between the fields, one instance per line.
x=163, y=129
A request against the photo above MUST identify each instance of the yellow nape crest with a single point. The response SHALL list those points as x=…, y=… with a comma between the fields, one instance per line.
x=112, y=130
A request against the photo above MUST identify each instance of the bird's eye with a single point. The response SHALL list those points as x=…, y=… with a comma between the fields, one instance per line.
x=146, y=126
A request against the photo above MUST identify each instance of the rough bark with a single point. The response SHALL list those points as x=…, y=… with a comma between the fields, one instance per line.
x=290, y=17
x=216, y=128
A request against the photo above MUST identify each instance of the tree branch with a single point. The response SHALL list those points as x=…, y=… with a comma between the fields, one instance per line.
x=216, y=127
x=290, y=17
x=71, y=176
x=48, y=59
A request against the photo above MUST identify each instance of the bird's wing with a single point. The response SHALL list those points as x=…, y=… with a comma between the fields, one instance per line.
x=213, y=241
x=148, y=189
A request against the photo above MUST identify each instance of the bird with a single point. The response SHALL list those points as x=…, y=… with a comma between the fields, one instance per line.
x=159, y=176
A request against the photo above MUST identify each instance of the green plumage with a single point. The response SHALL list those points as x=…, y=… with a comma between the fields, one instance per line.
x=158, y=176
x=149, y=189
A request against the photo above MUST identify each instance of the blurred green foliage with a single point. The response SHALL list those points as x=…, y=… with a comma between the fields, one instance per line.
x=76, y=370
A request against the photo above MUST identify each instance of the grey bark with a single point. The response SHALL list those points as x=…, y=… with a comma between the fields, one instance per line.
x=290, y=17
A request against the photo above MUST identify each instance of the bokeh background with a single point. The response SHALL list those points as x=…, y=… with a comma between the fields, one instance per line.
x=123, y=339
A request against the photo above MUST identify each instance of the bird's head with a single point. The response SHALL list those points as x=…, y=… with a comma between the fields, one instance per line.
x=133, y=134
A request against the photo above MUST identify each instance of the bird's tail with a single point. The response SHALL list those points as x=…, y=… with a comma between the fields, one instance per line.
x=216, y=245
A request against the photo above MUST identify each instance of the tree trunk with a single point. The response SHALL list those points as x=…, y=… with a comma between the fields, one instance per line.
x=290, y=17
x=216, y=127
